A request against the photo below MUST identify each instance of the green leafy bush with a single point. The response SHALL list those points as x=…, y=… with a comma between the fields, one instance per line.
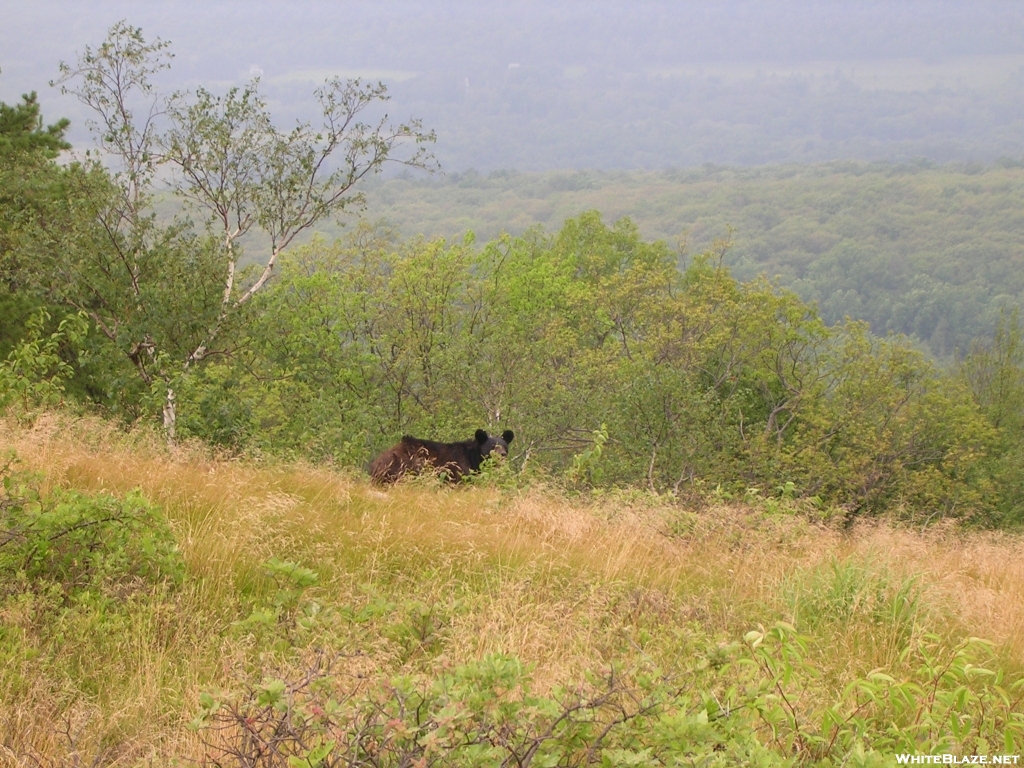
x=289, y=611
x=34, y=372
x=756, y=702
x=82, y=542
x=614, y=366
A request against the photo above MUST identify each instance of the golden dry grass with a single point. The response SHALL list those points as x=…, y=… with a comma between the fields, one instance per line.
x=976, y=577
x=563, y=583
x=228, y=513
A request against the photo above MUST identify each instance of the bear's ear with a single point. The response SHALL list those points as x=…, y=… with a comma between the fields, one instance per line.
x=507, y=435
x=482, y=436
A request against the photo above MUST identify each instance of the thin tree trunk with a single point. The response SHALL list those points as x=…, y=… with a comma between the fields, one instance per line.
x=170, y=416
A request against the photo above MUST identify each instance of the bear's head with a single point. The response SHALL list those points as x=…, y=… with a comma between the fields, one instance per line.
x=495, y=445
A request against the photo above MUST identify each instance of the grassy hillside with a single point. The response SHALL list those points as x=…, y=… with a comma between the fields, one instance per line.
x=420, y=603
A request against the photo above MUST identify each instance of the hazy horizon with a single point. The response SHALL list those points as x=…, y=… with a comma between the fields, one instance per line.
x=602, y=85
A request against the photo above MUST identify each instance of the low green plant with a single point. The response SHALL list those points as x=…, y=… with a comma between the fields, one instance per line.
x=756, y=702
x=418, y=626
x=289, y=611
x=499, y=472
x=950, y=703
x=586, y=465
x=74, y=542
x=844, y=591
x=481, y=713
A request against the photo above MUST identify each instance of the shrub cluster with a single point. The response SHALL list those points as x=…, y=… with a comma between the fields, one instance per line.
x=611, y=359
x=750, y=703
x=68, y=545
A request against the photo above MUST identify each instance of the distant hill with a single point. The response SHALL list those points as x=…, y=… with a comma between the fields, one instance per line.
x=645, y=84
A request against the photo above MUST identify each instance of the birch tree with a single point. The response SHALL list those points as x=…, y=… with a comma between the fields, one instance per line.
x=228, y=160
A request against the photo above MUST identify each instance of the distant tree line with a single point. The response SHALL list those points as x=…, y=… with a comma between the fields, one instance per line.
x=932, y=252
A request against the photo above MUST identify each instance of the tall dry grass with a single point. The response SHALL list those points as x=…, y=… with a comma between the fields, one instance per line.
x=566, y=584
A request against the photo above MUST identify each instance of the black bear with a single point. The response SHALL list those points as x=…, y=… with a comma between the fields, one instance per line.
x=455, y=459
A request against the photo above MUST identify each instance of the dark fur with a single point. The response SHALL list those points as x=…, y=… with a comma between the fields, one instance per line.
x=411, y=455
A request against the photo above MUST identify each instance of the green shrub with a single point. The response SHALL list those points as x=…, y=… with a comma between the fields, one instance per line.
x=757, y=702
x=35, y=372
x=79, y=542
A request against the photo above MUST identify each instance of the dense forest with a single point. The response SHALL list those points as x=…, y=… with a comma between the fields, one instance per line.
x=932, y=252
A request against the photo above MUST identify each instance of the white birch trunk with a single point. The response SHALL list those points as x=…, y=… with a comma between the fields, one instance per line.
x=170, y=416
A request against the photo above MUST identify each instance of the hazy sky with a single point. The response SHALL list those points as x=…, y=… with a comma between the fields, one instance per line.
x=471, y=69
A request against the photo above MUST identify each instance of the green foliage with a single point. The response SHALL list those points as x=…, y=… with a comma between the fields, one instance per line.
x=759, y=702
x=586, y=465
x=55, y=230
x=22, y=132
x=161, y=294
x=290, y=612
x=994, y=372
x=889, y=430
x=842, y=591
x=73, y=544
x=911, y=248
x=220, y=407
x=692, y=376
x=482, y=713
x=35, y=372
x=36, y=195
x=950, y=703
